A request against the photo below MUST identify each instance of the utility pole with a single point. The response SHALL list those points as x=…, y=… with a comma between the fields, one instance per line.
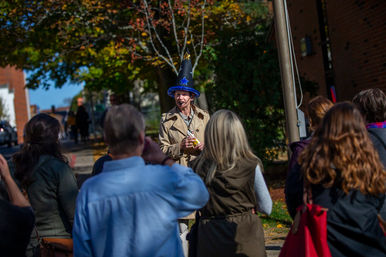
x=286, y=70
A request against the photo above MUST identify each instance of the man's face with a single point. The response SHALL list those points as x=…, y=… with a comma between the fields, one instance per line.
x=182, y=98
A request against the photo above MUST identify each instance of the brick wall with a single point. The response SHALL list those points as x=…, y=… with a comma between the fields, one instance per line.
x=15, y=79
x=357, y=31
x=358, y=42
x=304, y=22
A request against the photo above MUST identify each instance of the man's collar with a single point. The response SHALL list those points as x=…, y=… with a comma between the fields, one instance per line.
x=173, y=113
x=185, y=116
x=116, y=165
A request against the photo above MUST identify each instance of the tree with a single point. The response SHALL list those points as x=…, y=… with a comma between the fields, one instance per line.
x=107, y=44
x=247, y=81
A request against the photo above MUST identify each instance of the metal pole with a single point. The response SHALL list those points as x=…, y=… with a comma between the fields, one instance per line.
x=286, y=70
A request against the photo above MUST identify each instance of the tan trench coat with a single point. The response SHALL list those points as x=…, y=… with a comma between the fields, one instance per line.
x=173, y=130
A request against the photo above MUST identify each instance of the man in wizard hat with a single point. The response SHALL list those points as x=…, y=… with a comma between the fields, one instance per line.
x=181, y=132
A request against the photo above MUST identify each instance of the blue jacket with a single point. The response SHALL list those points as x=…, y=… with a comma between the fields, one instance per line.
x=131, y=209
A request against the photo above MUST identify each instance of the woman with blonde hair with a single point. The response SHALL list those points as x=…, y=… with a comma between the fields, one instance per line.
x=346, y=177
x=228, y=224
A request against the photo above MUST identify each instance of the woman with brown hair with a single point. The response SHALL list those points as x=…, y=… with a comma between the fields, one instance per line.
x=44, y=174
x=229, y=225
x=347, y=177
x=316, y=109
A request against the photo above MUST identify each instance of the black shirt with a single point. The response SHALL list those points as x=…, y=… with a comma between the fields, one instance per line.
x=16, y=225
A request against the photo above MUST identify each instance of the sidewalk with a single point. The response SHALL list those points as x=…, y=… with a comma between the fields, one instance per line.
x=84, y=156
x=273, y=244
x=81, y=158
x=81, y=154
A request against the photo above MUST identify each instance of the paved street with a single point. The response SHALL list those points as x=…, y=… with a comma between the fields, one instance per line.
x=273, y=245
x=81, y=154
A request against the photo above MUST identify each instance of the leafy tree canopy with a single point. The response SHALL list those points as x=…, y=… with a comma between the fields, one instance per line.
x=247, y=81
x=107, y=43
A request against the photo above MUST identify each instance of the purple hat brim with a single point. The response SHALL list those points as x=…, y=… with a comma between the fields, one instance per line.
x=171, y=90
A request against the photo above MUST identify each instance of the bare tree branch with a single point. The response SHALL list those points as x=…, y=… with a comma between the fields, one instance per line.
x=174, y=27
x=194, y=46
x=202, y=36
x=186, y=29
x=150, y=25
x=183, y=23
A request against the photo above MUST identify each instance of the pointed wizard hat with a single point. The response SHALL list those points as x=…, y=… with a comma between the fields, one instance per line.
x=185, y=78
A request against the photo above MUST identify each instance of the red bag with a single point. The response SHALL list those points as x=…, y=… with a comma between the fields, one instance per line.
x=308, y=234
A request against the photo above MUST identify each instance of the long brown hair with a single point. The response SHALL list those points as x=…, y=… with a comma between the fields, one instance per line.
x=341, y=153
x=41, y=137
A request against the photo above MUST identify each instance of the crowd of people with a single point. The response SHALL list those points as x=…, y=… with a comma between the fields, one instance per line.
x=136, y=200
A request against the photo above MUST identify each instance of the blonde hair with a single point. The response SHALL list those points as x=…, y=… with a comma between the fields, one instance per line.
x=225, y=144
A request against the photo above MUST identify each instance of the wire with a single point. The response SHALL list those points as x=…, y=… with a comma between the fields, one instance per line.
x=293, y=58
x=290, y=46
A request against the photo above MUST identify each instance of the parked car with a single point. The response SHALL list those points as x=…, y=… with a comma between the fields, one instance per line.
x=8, y=134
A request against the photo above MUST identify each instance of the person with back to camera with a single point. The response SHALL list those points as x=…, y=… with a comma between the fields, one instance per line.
x=71, y=121
x=316, y=109
x=136, y=213
x=98, y=165
x=82, y=123
x=228, y=224
x=372, y=104
x=181, y=132
x=44, y=174
x=17, y=217
x=346, y=176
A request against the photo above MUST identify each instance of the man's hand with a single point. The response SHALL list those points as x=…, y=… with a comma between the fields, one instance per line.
x=199, y=147
x=186, y=143
x=153, y=154
x=4, y=170
x=15, y=196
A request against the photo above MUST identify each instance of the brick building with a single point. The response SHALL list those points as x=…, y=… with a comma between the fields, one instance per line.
x=15, y=96
x=340, y=44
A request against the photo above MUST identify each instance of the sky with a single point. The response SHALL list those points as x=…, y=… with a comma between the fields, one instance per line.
x=53, y=96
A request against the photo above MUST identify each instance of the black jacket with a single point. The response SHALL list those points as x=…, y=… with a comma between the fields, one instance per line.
x=294, y=181
x=15, y=229
x=352, y=225
x=378, y=136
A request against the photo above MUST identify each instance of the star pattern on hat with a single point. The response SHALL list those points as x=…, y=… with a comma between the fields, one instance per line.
x=184, y=81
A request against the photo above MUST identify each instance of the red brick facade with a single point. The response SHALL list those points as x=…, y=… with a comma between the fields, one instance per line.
x=15, y=79
x=304, y=22
x=357, y=33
